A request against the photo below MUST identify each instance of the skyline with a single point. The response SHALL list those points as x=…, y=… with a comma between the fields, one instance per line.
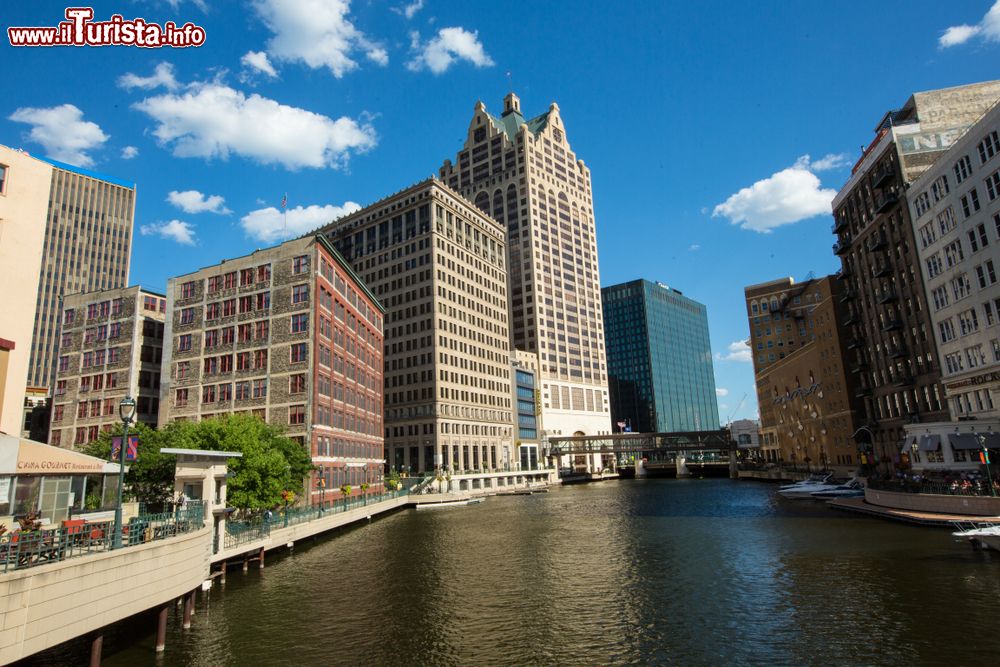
x=734, y=174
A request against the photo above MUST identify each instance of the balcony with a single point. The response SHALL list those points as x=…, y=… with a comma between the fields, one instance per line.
x=891, y=324
x=887, y=296
x=862, y=392
x=882, y=174
x=875, y=242
x=885, y=201
x=838, y=224
x=850, y=319
x=841, y=246
x=847, y=295
x=844, y=273
x=881, y=269
x=855, y=344
x=859, y=367
x=904, y=381
x=896, y=351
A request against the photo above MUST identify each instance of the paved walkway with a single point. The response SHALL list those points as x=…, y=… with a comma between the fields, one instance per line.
x=859, y=505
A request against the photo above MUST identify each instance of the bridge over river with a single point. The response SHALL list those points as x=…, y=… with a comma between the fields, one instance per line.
x=686, y=452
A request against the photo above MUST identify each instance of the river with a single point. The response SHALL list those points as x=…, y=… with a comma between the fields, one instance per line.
x=691, y=572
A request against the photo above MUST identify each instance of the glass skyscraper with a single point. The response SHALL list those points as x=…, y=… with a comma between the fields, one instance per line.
x=660, y=372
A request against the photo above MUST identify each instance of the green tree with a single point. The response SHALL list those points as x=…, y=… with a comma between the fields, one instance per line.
x=150, y=478
x=271, y=462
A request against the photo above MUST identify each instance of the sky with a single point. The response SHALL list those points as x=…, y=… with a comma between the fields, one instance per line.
x=717, y=133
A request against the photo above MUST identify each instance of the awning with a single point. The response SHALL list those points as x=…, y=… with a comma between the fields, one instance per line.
x=963, y=440
x=930, y=443
x=993, y=440
x=20, y=456
x=908, y=443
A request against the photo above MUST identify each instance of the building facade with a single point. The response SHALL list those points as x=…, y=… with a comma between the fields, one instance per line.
x=809, y=399
x=527, y=410
x=87, y=245
x=659, y=357
x=289, y=334
x=893, y=342
x=526, y=176
x=438, y=265
x=110, y=347
x=955, y=208
x=24, y=196
x=746, y=435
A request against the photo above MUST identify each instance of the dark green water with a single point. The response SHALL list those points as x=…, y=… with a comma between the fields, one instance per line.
x=699, y=572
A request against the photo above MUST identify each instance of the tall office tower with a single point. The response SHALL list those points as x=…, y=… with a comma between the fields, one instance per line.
x=810, y=402
x=88, y=241
x=24, y=196
x=659, y=359
x=289, y=334
x=888, y=313
x=437, y=264
x=525, y=175
x=955, y=207
x=110, y=347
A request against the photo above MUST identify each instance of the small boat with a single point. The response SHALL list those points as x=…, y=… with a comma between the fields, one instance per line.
x=852, y=489
x=815, y=478
x=450, y=503
x=806, y=488
x=987, y=537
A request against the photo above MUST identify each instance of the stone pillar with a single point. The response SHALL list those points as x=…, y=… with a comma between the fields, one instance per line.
x=161, y=629
x=96, y=646
x=188, y=609
x=640, y=466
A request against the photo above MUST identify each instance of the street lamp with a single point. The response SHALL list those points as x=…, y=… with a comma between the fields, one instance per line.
x=321, y=483
x=126, y=410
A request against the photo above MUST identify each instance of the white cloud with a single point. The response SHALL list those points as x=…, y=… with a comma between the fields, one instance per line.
x=449, y=46
x=409, y=10
x=200, y=4
x=737, y=351
x=988, y=28
x=258, y=62
x=213, y=120
x=721, y=391
x=192, y=201
x=827, y=162
x=268, y=224
x=62, y=132
x=694, y=247
x=163, y=75
x=318, y=33
x=788, y=196
x=175, y=230
x=129, y=152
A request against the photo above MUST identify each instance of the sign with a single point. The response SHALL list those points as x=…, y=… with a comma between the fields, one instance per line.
x=130, y=452
x=973, y=381
x=928, y=142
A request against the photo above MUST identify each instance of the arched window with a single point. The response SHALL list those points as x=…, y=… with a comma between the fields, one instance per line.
x=483, y=202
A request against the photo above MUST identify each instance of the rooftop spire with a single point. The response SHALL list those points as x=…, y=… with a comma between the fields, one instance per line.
x=511, y=103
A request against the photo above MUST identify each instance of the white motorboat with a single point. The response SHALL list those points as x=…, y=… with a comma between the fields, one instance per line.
x=852, y=489
x=987, y=537
x=815, y=478
x=806, y=488
x=449, y=503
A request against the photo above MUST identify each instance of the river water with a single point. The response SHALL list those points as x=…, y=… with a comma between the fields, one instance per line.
x=690, y=572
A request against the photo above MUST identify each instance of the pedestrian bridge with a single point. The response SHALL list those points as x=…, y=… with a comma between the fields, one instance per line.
x=718, y=443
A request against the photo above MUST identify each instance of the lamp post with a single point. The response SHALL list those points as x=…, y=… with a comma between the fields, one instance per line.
x=986, y=462
x=321, y=483
x=126, y=410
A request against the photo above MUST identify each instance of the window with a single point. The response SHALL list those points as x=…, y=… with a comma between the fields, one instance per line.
x=940, y=188
x=183, y=369
x=946, y=220
x=68, y=316
x=927, y=235
x=297, y=414
x=187, y=315
x=939, y=296
x=968, y=322
x=962, y=169
x=60, y=387
x=934, y=265
x=187, y=290
x=260, y=388
x=57, y=413
x=208, y=394
x=244, y=332
x=993, y=185
x=947, y=330
x=300, y=264
x=260, y=359
x=263, y=273
x=243, y=391
x=149, y=303
x=299, y=352
x=300, y=323
x=184, y=342
x=970, y=202
x=978, y=238
x=922, y=203
x=243, y=361
x=953, y=253
x=246, y=277
x=181, y=398
x=116, y=307
x=988, y=147
x=297, y=383
x=263, y=301
x=986, y=274
x=64, y=363
x=300, y=293
x=225, y=392
x=3, y=179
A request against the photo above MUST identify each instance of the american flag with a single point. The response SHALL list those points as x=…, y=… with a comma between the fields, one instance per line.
x=284, y=201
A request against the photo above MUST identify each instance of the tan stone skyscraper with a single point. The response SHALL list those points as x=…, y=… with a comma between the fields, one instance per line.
x=88, y=242
x=525, y=175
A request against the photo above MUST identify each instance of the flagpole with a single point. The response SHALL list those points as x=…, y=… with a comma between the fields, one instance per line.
x=284, y=217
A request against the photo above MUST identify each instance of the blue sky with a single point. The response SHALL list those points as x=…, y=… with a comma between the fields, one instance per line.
x=715, y=131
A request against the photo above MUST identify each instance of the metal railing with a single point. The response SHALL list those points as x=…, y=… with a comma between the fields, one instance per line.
x=956, y=488
x=25, y=549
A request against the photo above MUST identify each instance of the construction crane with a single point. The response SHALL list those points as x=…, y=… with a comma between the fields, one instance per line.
x=738, y=406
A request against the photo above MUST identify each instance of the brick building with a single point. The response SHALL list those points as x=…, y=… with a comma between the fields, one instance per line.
x=438, y=265
x=111, y=346
x=292, y=335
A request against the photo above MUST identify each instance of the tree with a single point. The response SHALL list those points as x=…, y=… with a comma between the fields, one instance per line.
x=150, y=478
x=271, y=462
